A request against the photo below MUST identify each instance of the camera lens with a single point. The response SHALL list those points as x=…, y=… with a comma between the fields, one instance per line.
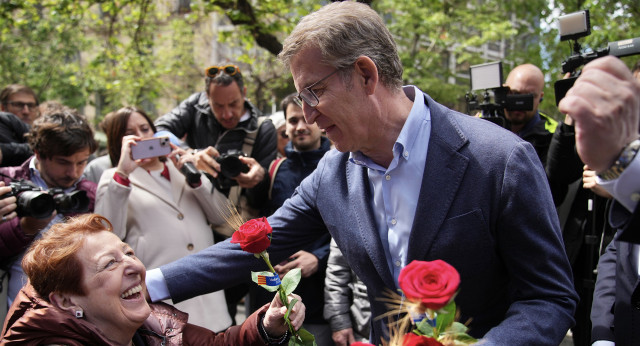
x=74, y=202
x=36, y=204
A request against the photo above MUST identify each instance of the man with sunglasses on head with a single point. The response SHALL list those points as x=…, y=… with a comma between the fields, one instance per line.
x=410, y=180
x=219, y=121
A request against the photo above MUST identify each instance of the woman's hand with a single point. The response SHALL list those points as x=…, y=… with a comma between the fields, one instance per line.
x=7, y=204
x=273, y=321
x=127, y=164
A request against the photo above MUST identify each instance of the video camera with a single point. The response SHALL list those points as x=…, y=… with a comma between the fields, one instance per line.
x=574, y=26
x=230, y=167
x=488, y=77
x=32, y=201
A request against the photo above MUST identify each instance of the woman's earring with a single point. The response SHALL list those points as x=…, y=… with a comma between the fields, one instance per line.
x=79, y=313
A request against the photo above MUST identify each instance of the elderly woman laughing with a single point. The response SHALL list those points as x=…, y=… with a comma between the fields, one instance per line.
x=86, y=286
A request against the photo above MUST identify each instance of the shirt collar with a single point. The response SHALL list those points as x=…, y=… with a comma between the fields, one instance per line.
x=407, y=138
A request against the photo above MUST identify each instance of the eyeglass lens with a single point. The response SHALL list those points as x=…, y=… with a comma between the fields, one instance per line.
x=20, y=105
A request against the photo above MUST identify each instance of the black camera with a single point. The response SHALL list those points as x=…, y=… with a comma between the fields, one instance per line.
x=488, y=77
x=73, y=202
x=230, y=164
x=573, y=26
x=230, y=167
x=32, y=201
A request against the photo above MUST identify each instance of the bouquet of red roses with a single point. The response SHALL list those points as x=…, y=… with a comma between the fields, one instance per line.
x=429, y=289
x=254, y=236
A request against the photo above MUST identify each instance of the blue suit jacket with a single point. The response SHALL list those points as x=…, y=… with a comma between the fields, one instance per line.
x=615, y=313
x=484, y=207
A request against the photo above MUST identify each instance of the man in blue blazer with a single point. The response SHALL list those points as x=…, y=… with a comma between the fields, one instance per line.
x=411, y=180
x=605, y=105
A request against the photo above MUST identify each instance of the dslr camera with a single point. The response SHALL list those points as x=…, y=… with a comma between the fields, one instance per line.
x=32, y=201
x=488, y=79
x=573, y=26
x=230, y=167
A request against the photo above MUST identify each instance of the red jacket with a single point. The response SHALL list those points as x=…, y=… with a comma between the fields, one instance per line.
x=12, y=239
x=33, y=321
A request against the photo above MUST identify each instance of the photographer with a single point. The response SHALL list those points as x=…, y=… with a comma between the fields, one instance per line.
x=62, y=142
x=533, y=126
x=222, y=122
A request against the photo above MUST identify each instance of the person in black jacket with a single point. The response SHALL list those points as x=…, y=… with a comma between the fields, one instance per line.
x=221, y=121
x=14, y=148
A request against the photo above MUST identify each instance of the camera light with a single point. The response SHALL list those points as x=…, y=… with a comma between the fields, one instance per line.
x=574, y=25
x=486, y=76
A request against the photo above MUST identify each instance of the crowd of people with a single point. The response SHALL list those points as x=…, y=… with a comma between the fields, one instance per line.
x=358, y=175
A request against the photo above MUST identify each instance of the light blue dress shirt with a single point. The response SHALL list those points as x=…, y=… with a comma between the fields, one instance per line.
x=395, y=189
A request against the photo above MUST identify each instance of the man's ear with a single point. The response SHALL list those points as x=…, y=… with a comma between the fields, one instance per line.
x=63, y=302
x=368, y=72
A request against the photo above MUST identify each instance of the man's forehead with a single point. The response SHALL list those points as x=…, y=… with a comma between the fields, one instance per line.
x=80, y=155
x=22, y=96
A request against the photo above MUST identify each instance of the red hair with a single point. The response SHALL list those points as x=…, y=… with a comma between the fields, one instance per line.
x=52, y=264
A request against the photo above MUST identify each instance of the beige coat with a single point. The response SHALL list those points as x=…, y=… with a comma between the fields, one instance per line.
x=162, y=226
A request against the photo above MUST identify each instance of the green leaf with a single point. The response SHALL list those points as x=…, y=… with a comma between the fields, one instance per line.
x=303, y=338
x=254, y=277
x=291, y=280
x=425, y=328
x=446, y=316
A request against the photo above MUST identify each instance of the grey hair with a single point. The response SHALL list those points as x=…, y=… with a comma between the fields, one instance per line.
x=344, y=31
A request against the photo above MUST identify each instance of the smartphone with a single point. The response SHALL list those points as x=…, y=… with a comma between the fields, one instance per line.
x=151, y=147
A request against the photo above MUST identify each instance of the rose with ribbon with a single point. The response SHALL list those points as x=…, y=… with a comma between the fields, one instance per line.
x=254, y=236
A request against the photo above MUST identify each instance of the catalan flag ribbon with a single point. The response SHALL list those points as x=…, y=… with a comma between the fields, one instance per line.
x=265, y=280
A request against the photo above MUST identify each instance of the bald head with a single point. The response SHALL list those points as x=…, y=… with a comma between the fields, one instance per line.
x=524, y=79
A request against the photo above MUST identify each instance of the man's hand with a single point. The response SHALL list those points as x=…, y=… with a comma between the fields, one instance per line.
x=7, y=204
x=343, y=337
x=31, y=225
x=254, y=176
x=205, y=161
x=307, y=262
x=589, y=182
x=604, y=102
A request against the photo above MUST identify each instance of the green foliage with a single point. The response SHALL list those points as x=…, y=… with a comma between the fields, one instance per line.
x=109, y=53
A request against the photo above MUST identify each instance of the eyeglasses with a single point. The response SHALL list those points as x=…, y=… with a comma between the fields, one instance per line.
x=283, y=134
x=20, y=105
x=213, y=71
x=308, y=95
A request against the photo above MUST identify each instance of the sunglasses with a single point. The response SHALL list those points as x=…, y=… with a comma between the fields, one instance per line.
x=213, y=71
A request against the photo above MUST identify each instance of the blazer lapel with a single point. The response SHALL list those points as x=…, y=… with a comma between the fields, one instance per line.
x=177, y=182
x=367, y=231
x=443, y=173
x=143, y=180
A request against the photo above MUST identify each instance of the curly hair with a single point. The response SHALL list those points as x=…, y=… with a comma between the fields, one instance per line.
x=52, y=264
x=62, y=132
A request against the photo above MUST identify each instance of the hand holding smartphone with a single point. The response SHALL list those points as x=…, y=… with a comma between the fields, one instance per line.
x=151, y=147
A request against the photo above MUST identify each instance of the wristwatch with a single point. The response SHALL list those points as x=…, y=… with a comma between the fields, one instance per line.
x=627, y=155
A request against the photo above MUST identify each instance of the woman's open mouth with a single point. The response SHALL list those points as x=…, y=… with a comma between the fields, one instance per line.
x=132, y=293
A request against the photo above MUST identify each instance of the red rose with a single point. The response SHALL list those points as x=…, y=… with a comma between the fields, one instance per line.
x=253, y=235
x=432, y=283
x=419, y=340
